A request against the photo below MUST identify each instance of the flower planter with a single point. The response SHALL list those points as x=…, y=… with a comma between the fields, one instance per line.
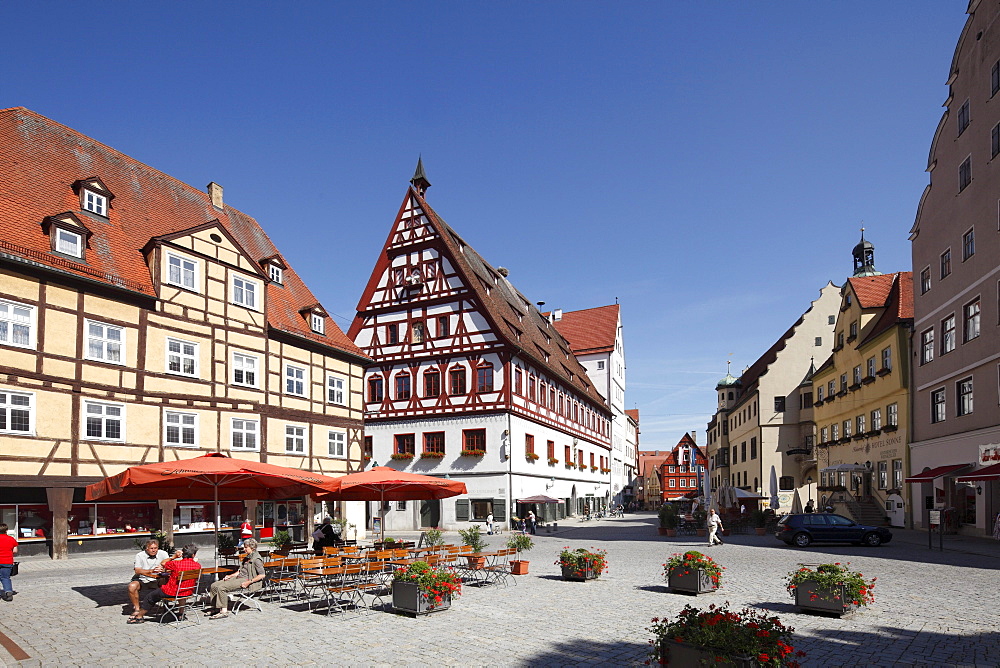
x=702, y=532
x=672, y=533
x=691, y=581
x=809, y=596
x=407, y=597
x=518, y=567
x=682, y=654
x=476, y=562
x=579, y=574
x=760, y=531
x=662, y=531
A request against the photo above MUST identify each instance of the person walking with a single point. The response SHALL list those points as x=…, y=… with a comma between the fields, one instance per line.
x=531, y=522
x=714, y=527
x=489, y=524
x=8, y=550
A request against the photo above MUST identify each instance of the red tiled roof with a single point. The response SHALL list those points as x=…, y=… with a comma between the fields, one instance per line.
x=633, y=413
x=591, y=330
x=872, y=291
x=898, y=303
x=39, y=162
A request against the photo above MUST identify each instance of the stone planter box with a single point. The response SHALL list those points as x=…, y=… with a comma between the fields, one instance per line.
x=690, y=581
x=810, y=597
x=407, y=597
x=587, y=573
x=681, y=654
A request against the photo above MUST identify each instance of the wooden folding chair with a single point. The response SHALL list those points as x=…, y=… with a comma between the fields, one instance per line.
x=185, y=597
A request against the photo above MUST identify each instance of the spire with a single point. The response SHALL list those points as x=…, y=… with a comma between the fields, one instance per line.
x=419, y=180
x=864, y=258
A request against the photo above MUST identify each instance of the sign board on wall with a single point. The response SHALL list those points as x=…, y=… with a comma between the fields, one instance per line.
x=989, y=454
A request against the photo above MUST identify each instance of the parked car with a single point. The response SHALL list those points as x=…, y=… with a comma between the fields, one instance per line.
x=802, y=529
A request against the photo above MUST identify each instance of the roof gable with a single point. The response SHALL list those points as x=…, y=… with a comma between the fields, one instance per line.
x=592, y=330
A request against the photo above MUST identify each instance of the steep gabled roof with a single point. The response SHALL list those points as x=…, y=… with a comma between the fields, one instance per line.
x=898, y=305
x=872, y=291
x=592, y=330
x=633, y=413
x=502, y=303
x=41, y=160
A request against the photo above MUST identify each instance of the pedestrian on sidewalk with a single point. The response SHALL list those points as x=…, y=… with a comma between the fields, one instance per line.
x=8, y=550
x=714, y=527
x=489, y=524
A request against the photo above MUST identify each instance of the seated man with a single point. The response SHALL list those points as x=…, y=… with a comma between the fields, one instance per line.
x=183, y=560
x=147, y=567
x=248, y=578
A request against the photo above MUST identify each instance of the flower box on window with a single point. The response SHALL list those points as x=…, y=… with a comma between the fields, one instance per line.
x=401, y=455
x=583, y=467
x=473, y=453
x=530, y=456
x=553, y=461
x=432, y=455
x=593, y=468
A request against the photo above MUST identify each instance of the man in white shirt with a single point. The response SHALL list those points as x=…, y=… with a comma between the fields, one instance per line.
x=714, y=527
x=147, y=567
x=489, y=524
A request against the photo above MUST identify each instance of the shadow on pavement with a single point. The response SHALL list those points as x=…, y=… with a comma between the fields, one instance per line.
x=105, y=595
x=582, y=652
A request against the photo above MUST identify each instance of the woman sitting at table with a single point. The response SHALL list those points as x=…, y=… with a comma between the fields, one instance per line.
x=182, y=560
x=249, y=578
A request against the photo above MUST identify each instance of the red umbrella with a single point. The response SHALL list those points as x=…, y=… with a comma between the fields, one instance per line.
x=229, y=479
x=383, y=483
x=539, y=498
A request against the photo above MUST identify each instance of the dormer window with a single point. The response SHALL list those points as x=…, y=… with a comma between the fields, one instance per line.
x=275, y=268
x=94, y=195
x=317, y=323
x=274, y=272
x=69, y=243
x=94, y=203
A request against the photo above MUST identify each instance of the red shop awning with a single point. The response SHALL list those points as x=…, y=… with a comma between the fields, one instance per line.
x=988, y=473
x=932, y=474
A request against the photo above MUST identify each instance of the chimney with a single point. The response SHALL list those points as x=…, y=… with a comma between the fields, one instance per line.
x=694, y=435
x=215, y=193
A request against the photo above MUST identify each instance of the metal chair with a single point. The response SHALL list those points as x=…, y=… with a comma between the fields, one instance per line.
x=185, y=597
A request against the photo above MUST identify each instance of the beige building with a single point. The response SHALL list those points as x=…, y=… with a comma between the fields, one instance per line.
x=142, y=320
x=861, y=398
x=763, y=426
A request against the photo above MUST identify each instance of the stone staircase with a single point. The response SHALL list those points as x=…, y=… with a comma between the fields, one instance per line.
x=866, y=512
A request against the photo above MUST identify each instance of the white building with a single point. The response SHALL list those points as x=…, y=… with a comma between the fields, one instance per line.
x=472, y=382
x=595, y=337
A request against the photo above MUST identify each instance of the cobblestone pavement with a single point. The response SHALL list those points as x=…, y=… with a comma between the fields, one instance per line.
x=932, y=609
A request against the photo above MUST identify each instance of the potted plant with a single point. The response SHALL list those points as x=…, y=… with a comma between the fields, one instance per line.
x=721, y=636
x=692, y=572
x=473, y=537
x=420, y=588
x=282, y=542
x=700, y=517
x=581, y=564
x=759, y=519
x=830, y=588
x=668, y=520
x=227, y=544
x=521, y=543
x=433, y=537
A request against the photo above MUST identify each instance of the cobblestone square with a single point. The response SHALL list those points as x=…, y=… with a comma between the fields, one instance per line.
x=932, y=608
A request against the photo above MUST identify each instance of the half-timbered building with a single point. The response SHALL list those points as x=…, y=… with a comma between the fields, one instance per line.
x=470, y=380
x=142, y=320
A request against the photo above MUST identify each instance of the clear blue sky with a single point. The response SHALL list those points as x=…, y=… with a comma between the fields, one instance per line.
x=706, y=163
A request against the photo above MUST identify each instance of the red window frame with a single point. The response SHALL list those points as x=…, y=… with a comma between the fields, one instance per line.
x=432, y=383
x=474, y=439
x=456, y=381
x=551, y=447
x=403, y=382
x=404, y=444
x=529, y=444
x=376, y=389
x=484, y=378
x=434, y=442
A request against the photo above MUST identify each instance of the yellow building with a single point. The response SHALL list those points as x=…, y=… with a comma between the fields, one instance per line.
x=862, y=399
x=142, y=320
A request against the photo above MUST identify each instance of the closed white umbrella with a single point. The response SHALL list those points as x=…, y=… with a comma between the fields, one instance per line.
x=775, y=503
x=796, y=503
x=706, y=489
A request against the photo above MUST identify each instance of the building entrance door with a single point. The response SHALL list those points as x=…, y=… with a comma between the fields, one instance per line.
x=430, y=513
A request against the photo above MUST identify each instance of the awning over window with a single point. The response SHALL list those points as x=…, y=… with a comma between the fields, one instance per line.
x=988, y=473
x=932, y=474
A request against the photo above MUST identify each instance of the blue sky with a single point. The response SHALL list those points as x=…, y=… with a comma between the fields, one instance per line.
x=708, y=164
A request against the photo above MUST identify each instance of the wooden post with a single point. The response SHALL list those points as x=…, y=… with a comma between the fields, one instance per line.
x=308, y=526
x=60, y=501
x=167, y=508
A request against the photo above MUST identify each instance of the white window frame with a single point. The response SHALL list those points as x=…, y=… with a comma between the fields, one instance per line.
x=672, y=483
x=949, y=334
x=182, y=271
x=941, y=415
x=94, y=202
x=104, y=418
x=8, y=322
x=105, y=342
x=876, y=419
x=275, y=274
x=239, y=426
x=963, y=401
x=317, y=323
x=927, y=346
x=971, y=324
x=168, y=421
x=76, y=238
x=244, y=292
x=296, y=432
x=892, y=415
x=181, y=356
x=239, y=359
x=337, y=443
x=302, y=379
x=336, y=389
x=6, y=407
x=683, y=482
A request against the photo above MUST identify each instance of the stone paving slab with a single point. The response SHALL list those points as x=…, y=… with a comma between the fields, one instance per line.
x=932, y=609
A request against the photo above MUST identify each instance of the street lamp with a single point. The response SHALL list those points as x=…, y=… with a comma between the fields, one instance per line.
x=809, y=482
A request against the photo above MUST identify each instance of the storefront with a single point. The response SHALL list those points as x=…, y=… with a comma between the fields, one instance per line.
x=939, y=489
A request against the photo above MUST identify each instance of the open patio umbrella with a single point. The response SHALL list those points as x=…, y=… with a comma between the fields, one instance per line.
x=539, y=498
x=383, y=483
x=225, y=478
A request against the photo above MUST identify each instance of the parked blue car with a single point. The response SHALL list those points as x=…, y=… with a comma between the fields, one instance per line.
x=802, y=529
